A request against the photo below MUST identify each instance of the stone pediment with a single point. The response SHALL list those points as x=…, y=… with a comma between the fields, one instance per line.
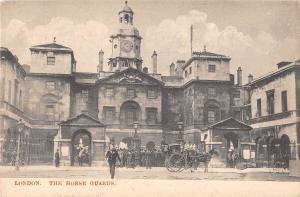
x=131, y=76
x=82, y=120
x=230, y=123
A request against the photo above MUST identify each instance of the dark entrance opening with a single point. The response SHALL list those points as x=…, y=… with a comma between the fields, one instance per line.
x=285, y=150
x=81, y=148
x=232, y=151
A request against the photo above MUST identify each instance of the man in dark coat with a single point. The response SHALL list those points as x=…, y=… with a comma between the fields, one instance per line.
x=112, y=155
x=56, y=159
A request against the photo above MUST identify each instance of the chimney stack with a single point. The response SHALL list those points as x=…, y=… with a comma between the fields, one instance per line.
x=100, y=65
x=250, y=78
x=179, y=65
x=239, y=76
x=172, y=69
x=154, y=62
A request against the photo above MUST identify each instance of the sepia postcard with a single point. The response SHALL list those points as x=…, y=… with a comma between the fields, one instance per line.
x=149, y=98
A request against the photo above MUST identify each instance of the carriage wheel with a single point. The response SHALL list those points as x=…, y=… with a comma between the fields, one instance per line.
x=176, y=163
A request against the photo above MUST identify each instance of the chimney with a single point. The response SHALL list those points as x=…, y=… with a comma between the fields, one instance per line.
x=179, y=65
x=100, y=65
x=145, y=70
x=239, y=76
x=154, y=62
x=283, y=64
x=250, y=78
x=172, y=69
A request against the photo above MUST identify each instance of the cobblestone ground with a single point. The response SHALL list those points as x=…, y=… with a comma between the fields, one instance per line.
x=141, y=173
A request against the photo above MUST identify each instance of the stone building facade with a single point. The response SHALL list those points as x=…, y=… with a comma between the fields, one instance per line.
x=82, y=112
x=273, y=105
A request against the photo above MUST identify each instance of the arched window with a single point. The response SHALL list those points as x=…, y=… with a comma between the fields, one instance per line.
x=48, y=106
x=130, y=112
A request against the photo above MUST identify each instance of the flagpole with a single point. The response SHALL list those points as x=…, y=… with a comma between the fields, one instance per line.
x=191, y=40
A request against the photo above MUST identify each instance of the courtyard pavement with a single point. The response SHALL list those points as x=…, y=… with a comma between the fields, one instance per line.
x=249, y=174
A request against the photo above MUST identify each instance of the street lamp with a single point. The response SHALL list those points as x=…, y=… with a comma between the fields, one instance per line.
x=135, y=126
x=20, y=128
x=136, y=143
x=180, y=127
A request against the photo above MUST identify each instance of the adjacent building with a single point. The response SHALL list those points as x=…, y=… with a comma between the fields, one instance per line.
x=80, y=113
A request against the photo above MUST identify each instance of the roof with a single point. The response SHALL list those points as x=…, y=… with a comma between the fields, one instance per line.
x=53, y=46
x=230, y=124
x=271, y=75
x=83, y=120
x=126, y=8
x=205, y=55
x=5, y=53
x=132, y=78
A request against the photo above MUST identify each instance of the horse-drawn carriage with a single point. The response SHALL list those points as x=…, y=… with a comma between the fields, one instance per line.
x=180, y=159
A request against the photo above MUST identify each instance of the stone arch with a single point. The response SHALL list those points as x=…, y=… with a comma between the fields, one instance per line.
x=81, y=139
x=130, y=112
x=285, y=145
x=233, y=138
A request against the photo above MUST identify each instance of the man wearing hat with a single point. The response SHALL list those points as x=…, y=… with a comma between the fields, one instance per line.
x=111, y=157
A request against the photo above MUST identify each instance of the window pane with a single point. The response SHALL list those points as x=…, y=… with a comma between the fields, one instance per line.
x=284, y=101
x=109, y=114
x=258, y=103
x=212, y=68
x=151, y=94
x=50, y=60
x=211, y=116
x=270, y=102
x=130, y=93
x=50, y=85
x=151, y=115
x=212, y=92
x=50, y=112
x=109, y=92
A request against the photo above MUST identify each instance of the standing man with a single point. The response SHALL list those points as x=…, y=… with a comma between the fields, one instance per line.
x=111, y=157
x=56, y=158
x=148, y=155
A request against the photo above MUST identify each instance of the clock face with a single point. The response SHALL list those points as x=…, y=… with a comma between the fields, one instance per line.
x=126, y=46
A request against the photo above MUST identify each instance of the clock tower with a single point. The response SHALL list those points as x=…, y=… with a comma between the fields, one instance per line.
x=125, y=43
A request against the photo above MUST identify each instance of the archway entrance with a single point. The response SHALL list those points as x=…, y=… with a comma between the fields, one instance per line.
x=285, y=149
x=232, y=146
x=81, y=148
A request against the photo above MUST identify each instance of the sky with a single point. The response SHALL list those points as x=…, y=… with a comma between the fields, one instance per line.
x=255, y=34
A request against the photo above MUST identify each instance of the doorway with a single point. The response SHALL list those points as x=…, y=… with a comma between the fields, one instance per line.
x=81, y=148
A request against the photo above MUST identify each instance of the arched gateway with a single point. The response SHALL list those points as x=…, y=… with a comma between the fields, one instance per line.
x=81, y=148
x=81, y=141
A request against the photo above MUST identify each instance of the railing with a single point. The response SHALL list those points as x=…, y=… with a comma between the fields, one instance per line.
x=271, y=117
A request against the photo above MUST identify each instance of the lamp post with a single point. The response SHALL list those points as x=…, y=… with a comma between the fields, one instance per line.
x=135, y=126
x=180, y=135
x=136, y=143
x=20, y=128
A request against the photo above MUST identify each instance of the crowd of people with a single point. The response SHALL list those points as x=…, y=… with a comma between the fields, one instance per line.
x=130, y=158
